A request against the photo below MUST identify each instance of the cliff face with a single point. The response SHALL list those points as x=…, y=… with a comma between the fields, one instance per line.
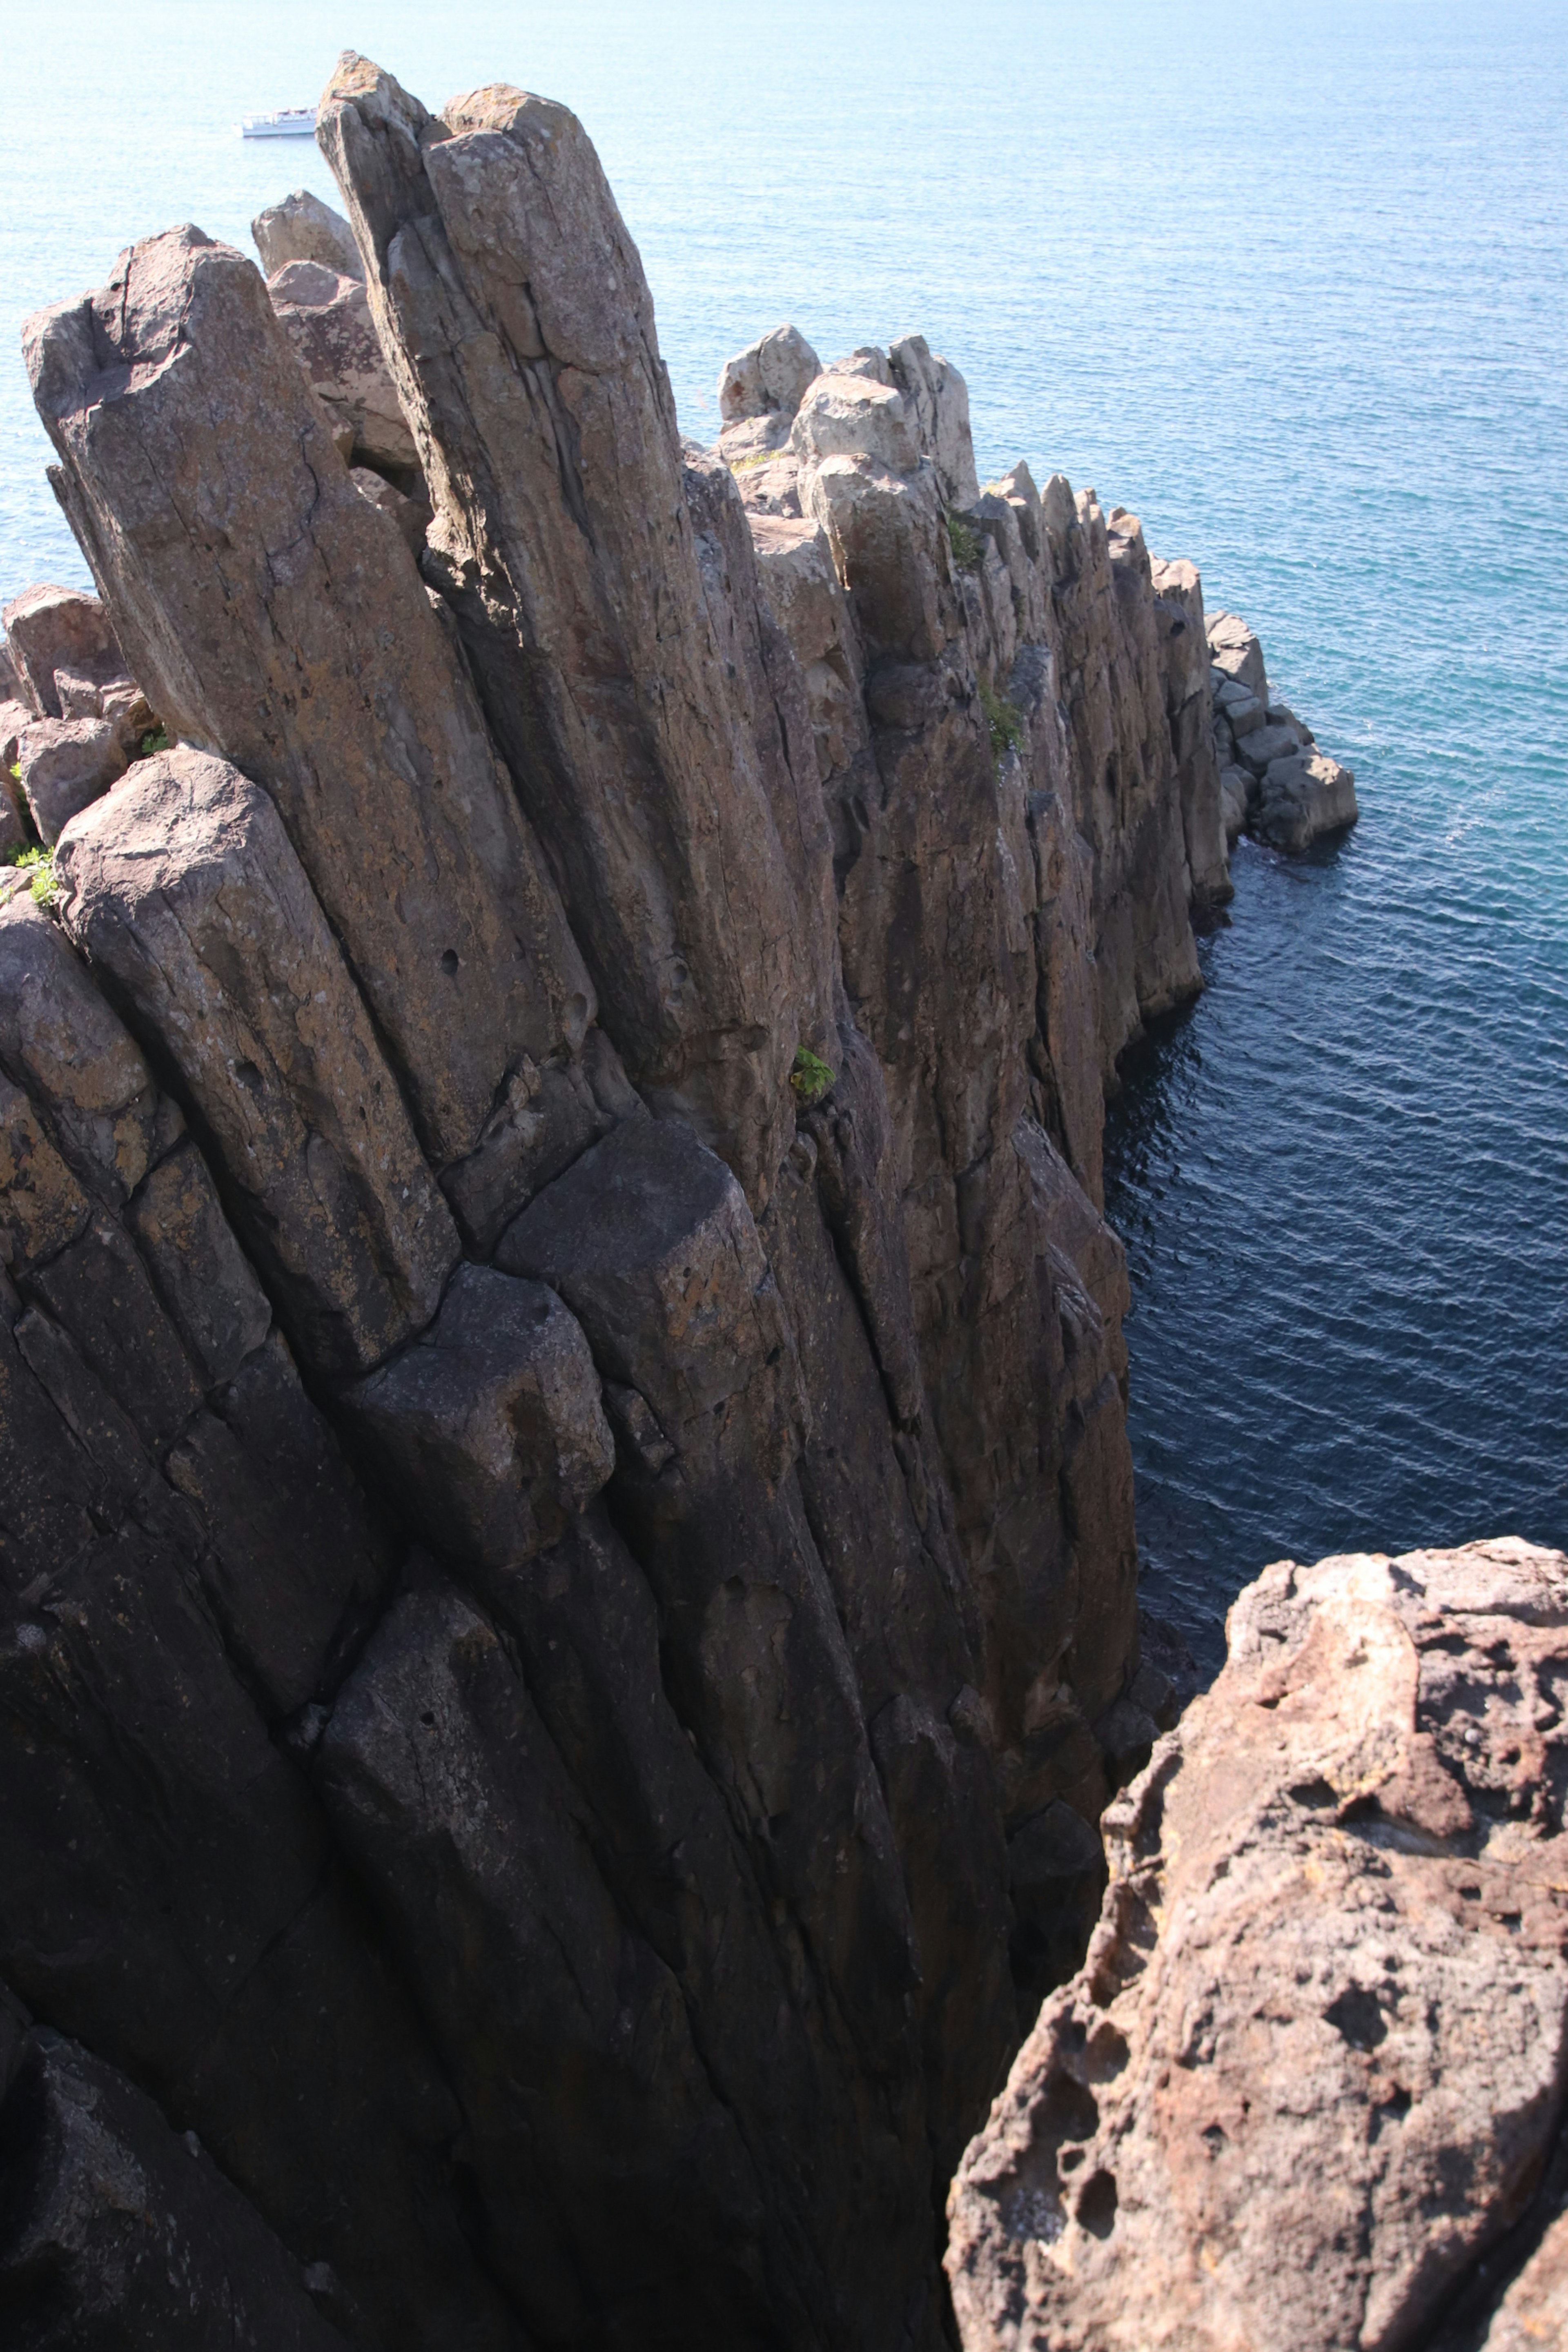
x=567, y=1538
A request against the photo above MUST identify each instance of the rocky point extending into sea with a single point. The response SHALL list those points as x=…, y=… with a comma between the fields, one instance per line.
x=570, y=1619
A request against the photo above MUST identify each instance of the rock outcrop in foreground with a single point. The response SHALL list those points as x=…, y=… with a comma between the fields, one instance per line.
x=1306, y=2091
x=565, y=1512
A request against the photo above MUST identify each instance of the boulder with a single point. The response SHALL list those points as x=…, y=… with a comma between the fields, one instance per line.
x=1304, y=795
x=324, y=672
x=300, y=228
x=64, y=764
x=1263, y=745
x=938, y=398
x=491, y=1428
x=185, y=888
x=50, y=628
x=768, y=377
x=1332, y=1952
x=327, y=319
x=1240, y=708
x=853, y=416
x=1236, y=652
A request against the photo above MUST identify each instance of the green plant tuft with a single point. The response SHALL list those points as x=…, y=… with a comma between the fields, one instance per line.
x=1004, y=724
x=45, y=889
x=965, y=542
x=757, y=457
x=810, y=1078
x=156, y=739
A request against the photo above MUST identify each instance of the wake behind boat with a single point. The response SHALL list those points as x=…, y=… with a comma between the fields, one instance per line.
x=287, y=122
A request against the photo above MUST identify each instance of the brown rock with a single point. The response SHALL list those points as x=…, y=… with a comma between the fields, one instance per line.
x=50, y=628
x=300, y=228
x=185, y=888
x=524, y=343
x=327, y=319
x=323, y=673
x=63, y=765
x=1332, y=1953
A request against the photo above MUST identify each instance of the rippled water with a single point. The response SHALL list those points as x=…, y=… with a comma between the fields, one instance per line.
x=1288, y=280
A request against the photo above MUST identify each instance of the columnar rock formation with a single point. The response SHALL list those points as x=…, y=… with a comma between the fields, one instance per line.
x=567, y=1533
x=1306, y=2091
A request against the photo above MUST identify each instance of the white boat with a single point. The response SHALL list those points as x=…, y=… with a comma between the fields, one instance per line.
x=288, y=123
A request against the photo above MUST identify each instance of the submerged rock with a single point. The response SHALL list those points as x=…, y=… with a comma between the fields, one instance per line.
x=1311, y=2072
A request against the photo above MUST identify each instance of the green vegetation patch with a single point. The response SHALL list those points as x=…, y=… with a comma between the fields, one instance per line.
x=45, y=888
x=156, y=739
x=1004, y=724
x=810, y=1078
x=758, y=457
x=968, y=547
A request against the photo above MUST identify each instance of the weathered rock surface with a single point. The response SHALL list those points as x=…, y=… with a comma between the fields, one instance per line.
x=567, y=1604
x=327, y=319
x=300, y=228
x=1334, y=1952
x=62, y=765
x=49, y=629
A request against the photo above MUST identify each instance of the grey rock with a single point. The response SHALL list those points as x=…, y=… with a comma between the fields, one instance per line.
x=1304, y=796
x=939, y=398
x=325, y=315
x=768, y=377
x=1236, y=651
x=490, y=1427
x=76, y=1058
x=300, y=228
x=1258, y=750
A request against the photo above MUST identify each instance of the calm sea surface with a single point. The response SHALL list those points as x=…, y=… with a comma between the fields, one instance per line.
x=1290, y=282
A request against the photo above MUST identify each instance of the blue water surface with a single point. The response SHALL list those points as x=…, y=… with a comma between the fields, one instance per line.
x=1286, y=280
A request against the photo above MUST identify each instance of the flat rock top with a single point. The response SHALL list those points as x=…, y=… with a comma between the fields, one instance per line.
x=1314, y=2063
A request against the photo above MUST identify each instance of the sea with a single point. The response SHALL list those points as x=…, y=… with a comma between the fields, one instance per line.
x=1288, y=281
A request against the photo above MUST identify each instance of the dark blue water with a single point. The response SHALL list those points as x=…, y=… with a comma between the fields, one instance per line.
x=1287, y=279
